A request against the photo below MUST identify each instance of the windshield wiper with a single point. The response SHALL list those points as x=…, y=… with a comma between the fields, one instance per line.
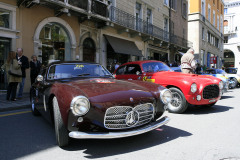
x=84, y=74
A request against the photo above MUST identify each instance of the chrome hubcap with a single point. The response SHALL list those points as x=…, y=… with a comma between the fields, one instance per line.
x=176, y=99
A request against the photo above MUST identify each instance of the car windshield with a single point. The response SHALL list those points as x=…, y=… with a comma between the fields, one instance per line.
x=155, y=67
x=63, y=71
x=231, y=70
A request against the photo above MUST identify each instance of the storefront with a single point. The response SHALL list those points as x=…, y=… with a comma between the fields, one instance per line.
x=8, y=35
x=5, y=47
x=55, y=43
x=120, y=51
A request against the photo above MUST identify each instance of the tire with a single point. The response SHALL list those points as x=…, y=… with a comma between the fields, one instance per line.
x=234, y=82
x=35, y=112
x=178, y=103
x=61, y=132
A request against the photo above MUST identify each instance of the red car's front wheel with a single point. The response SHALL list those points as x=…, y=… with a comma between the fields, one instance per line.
x=178, y=103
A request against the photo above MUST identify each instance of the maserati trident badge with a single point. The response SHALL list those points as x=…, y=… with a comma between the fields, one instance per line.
x=132, y=118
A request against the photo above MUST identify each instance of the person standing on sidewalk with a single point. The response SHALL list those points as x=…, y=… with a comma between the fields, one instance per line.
x=24, y=65
x=188, y=64
x=35, y=67
x=12, y=80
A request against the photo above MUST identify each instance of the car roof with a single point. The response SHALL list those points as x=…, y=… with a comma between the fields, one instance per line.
x=70, y=62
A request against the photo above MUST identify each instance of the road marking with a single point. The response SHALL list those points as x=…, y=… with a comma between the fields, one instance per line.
x=12, y=114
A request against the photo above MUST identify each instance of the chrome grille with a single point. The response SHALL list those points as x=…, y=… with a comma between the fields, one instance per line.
x=115, y=117
x=211, y=91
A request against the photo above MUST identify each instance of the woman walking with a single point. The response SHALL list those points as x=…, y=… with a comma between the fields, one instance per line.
x=11, y=79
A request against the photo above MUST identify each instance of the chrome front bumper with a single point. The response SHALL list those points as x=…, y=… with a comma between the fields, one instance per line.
x=127, y=133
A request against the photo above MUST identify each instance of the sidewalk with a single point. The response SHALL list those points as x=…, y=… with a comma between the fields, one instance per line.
x=14, y=105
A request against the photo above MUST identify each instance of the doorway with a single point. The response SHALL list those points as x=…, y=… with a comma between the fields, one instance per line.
x=5, y=46
x=89, y=50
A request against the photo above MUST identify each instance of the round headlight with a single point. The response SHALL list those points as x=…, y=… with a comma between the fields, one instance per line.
x=166, y=96
x=221, y=85
x=194, y=88
x=80, y=105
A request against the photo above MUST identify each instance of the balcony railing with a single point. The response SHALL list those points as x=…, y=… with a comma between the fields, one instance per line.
x=181, y=42
x=83, y=4
x=97, y=7
x=127, y=20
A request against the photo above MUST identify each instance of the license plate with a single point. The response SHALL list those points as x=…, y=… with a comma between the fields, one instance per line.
x=213, y=100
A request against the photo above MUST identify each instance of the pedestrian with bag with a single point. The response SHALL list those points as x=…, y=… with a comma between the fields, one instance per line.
x=24, y=65
x=188, y=64
x=14, y=75
x=35, y=66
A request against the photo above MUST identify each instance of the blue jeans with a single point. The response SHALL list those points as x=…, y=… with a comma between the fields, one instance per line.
x=20, y=91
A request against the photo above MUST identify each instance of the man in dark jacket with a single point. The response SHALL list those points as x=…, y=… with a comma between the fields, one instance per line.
x=23, y=60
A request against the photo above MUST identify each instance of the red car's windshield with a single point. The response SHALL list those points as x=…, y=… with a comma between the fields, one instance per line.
x=155, y=67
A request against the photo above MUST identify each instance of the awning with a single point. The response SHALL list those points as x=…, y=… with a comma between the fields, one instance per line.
x=123, y=46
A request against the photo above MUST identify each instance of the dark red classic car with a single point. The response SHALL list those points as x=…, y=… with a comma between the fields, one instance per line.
x=84, y=101
x=186, y=88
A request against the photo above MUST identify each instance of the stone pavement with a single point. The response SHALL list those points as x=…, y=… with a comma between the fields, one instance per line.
x=14, y=105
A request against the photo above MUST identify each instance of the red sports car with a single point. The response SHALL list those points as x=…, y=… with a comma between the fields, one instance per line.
x=186, y=88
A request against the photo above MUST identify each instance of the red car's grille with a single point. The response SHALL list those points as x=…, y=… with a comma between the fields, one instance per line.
x=122, y=117
x=211, y=91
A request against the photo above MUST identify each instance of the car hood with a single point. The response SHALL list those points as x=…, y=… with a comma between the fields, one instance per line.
x=178, y=76
x=102, y=90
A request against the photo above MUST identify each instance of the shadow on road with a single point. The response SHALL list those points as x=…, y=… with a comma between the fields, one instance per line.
x=111, y=147
x=226, y=97
x=207, y=110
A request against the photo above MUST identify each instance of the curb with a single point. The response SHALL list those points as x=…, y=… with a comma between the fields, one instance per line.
x=14, y=108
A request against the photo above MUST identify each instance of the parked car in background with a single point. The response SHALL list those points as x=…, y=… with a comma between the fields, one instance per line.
x=84, y=101
x=219, y=73
x=233, y=76
x=186, y=88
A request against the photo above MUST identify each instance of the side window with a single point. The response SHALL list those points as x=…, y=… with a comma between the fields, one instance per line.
x=133, y=69
x=121, y=70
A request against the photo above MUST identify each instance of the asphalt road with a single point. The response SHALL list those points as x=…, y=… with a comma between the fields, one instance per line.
x=199, y=134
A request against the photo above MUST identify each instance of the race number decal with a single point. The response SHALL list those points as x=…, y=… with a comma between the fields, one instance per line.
x=78, y=66
x=145, y=78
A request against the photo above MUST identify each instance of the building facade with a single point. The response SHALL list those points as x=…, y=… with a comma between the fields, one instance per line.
x=232, y=33
x=205, y=30
x=178, y=29
x=101, y=31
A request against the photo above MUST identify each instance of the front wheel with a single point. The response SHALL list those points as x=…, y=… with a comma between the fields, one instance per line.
x=178, y=103
x=60, y=129
x=233, y=83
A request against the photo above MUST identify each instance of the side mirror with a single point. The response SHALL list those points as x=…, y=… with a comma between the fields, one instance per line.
x=39, y=78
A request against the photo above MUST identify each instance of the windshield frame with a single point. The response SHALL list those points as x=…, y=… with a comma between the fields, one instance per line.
x=107, y=75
